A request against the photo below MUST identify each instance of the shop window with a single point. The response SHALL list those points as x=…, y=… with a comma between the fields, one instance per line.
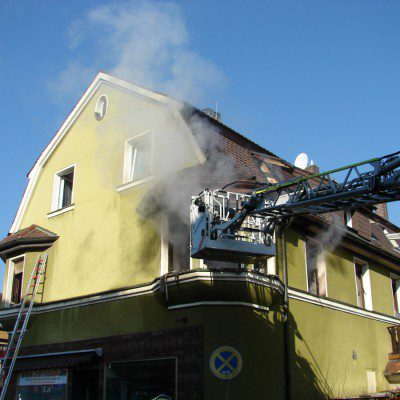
x=42, y=385
x=363, y=285
x=138, y=157
x=316, y=268
x=147, y=379
x=63, y=188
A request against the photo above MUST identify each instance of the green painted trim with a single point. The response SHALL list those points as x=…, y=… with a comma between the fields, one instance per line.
x=296, y=181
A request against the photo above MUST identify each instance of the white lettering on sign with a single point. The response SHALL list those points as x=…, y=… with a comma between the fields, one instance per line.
x=38, y=378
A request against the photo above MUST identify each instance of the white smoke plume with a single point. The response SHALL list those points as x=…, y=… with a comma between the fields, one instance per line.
x=143, y=42
x=148, y=44
x=333, y=235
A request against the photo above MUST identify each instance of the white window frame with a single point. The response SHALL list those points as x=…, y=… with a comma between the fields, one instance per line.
x=164, y=245
x=314, y=241
x=58, y=191
x=366, y=281
x=128, y=157
x=99, y=111
x=391, y=239
x=396, y=293
x=271, y=266
x=348, y=218
x=10, y=278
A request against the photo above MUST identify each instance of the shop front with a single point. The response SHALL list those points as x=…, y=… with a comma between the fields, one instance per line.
x=46, y=384
x=162, y=365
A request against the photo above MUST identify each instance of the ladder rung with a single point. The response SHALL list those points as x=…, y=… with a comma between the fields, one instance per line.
x=23, y=317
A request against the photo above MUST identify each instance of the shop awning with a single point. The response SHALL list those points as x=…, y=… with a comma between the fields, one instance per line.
x=57, y=360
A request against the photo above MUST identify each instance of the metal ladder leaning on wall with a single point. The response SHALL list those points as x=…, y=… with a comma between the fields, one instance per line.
x=17, y=336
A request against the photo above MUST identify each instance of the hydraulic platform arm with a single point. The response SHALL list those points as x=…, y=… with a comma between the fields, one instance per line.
x=229, y=226
x=358, y=185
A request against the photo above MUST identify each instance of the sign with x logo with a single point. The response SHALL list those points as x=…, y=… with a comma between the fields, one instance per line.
x=225, y=362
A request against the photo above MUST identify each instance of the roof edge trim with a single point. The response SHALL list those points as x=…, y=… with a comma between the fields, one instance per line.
x=100, y=78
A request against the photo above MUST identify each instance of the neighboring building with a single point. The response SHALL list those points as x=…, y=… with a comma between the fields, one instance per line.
x=124, y=313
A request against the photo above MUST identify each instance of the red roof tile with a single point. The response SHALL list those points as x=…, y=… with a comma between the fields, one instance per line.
x=32, y=232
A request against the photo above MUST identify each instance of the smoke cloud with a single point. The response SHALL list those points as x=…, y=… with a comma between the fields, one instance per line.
x=143, y=42
x=148, y=44
x=333, y=235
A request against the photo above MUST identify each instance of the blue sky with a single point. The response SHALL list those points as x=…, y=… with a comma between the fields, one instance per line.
x=321, y=77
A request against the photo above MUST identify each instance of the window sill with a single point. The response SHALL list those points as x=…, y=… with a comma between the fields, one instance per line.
x=60, y=211
x=132, y=184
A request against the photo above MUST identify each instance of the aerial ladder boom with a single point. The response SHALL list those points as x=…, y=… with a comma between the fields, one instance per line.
x=228, y=226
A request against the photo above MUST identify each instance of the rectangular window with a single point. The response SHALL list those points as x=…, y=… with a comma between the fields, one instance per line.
x=147, y=379
x=42, y=384
x=16, y=289
x=138, y=157
x=271, y=266
x=348, y=217
x=63, y=188
x=316, y=268
x=363, y=285
x=395, y=281
x=178, y=244
x=360, y=286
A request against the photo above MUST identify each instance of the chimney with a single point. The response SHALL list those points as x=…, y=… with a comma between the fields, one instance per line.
x=312, y=169
x=382, y=210
x=213, y=114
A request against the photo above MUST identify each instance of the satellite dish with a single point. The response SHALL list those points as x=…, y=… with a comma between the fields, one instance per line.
x=301, y=161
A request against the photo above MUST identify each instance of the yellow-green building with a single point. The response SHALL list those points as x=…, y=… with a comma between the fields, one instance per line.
x=123, y=311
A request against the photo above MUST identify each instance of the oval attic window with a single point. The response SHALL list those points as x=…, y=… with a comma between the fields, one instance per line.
x=101, y=107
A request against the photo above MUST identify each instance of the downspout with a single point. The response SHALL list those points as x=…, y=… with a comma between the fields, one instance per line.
x=286, y=328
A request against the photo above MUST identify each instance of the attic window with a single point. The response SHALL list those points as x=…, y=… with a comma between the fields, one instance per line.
x=100, y=109
x=63, y=191
x=392, y=237
x=138, y=157
x=348, y=218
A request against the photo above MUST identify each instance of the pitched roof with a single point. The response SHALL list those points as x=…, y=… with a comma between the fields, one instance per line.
x=250, y=161
x=32, y=235
x=32, y=232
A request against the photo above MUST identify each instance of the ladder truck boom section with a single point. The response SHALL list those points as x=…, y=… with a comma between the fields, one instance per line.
x=227, y=226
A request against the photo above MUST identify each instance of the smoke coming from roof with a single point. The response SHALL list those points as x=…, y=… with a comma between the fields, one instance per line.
x=148, y=44
x=143, y=42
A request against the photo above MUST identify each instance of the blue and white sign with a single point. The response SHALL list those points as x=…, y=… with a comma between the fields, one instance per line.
x=226, y=362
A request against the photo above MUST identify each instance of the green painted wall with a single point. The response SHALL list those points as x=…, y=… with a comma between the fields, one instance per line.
x=341, y=284
x=104, y=244
x=257, y=336
x=324, y=340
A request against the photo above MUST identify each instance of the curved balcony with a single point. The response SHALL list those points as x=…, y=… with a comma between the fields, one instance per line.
x=202, y=287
